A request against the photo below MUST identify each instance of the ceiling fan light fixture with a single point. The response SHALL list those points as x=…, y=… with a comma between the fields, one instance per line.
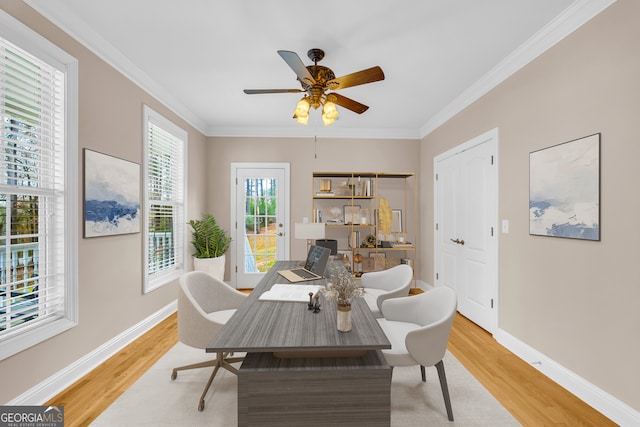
x=316, y=80
x=302, y=120
x=329, y=110
x=302, y=108
x=326, y=120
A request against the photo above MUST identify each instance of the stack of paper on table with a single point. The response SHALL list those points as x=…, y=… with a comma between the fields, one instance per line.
x=295, y=292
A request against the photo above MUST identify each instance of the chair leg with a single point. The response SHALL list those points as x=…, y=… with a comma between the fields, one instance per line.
x=445, y=389
x=221, y=361
x=424, y=374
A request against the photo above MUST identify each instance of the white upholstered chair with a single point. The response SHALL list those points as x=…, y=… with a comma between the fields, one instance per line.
x=204, y=306
x=382, y=285
x=418, y=328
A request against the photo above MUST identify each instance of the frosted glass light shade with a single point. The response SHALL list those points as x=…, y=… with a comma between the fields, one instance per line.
x=310, y=231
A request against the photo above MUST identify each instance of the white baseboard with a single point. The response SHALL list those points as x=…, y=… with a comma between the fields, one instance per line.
x=614, y=409
x=53, y=385
x=423, y=285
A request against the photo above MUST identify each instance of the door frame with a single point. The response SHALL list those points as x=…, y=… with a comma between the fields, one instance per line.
x=489, y=136
x=235, y=166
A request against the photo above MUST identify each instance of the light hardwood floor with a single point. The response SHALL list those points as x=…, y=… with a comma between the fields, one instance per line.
x=532, y=398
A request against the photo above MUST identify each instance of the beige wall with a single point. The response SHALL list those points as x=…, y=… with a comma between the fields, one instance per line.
x=375, y=155
x=574, y=301
x=110, y=268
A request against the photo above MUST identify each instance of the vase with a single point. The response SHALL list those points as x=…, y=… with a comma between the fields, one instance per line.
x=344, y=318
x=213, y=266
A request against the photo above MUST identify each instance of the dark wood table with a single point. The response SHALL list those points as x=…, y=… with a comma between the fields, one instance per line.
x=299, y=369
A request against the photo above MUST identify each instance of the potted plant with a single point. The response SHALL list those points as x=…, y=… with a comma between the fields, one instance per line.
x=210, y=242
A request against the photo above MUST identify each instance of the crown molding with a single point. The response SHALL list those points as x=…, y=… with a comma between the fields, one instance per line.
x=564, y=24
x=90, y=39
x=311, y=131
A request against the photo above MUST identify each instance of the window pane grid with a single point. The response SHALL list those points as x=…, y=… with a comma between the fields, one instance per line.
x=31, y=191
x=165, y=199
x=260, y=223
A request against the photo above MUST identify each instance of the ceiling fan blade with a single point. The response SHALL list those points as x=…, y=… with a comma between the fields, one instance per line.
x=260, y=91
x=293, y=60
x=369, y=75
x=348, y=103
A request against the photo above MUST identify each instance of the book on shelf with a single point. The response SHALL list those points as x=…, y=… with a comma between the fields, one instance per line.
x=366, y=188
x=335, y=221
x=325, y=193
x=402, y=245
x=354, y=240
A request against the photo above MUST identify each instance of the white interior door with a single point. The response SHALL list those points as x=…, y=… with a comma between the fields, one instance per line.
x=260, y=212
x=466, y=244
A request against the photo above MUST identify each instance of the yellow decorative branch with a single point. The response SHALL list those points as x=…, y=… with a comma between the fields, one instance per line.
x=386, y=218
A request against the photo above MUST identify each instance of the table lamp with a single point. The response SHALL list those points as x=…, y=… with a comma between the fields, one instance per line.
x=310, y=231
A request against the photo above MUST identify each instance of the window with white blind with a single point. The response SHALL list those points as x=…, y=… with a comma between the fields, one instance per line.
x=164, y=170
x=38, y=188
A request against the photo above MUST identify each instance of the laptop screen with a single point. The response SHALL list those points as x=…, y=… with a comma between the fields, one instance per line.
x=317, y=259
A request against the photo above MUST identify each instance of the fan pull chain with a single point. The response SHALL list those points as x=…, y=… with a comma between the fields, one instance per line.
x=315, y=147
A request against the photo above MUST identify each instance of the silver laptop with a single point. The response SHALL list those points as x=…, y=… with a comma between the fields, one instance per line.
x=313, y=268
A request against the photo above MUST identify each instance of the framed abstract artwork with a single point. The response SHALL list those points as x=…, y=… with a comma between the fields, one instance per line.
x=564, y=190
x=111, y=195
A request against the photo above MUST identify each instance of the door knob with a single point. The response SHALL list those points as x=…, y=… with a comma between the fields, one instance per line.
x=280, y=234
x=458, y=242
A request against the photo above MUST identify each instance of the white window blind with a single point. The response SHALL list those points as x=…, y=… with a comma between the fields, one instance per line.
x=165, y=146
x=32, y=193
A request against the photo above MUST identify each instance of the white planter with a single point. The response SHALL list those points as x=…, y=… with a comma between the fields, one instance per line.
x=213, y=266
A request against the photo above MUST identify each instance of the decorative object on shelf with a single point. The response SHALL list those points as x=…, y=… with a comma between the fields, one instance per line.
x=364, y=216
x=342, y=290
x=344, y=256
x=564, y=190
x=325, y=185
x=385, y=218
x=357, y=260
x=310, y=231
x=379, y=260
x=352, y=214
x=391, y=262
x=396, y=221
x=343, y=189
x=370, y=241
x=335, y=215
x=368, y=264
x=111, y=195
x=211, y=243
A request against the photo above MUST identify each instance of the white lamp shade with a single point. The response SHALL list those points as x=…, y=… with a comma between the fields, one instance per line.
x=310, y=230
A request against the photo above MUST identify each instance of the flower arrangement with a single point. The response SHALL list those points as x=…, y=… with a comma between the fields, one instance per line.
x=341, y=288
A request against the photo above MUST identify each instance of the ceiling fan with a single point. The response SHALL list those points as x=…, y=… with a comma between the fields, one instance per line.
x=317, y=81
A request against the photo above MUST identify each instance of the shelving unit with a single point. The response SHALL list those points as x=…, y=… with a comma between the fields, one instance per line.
x=349, y=205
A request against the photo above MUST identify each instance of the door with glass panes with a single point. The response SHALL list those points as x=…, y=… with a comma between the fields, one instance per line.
x=261, y=220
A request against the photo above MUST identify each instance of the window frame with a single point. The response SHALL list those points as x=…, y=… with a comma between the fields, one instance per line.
x=156, y=280
x=33, y=43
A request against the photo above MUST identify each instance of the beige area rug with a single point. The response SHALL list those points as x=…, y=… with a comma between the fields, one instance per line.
x=155, y=400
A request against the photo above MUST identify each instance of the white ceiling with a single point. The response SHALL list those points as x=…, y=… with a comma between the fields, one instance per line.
x=197, y=56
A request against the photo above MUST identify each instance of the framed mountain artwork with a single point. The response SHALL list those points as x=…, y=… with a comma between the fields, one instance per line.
x=564, y=190
x=111, y=195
